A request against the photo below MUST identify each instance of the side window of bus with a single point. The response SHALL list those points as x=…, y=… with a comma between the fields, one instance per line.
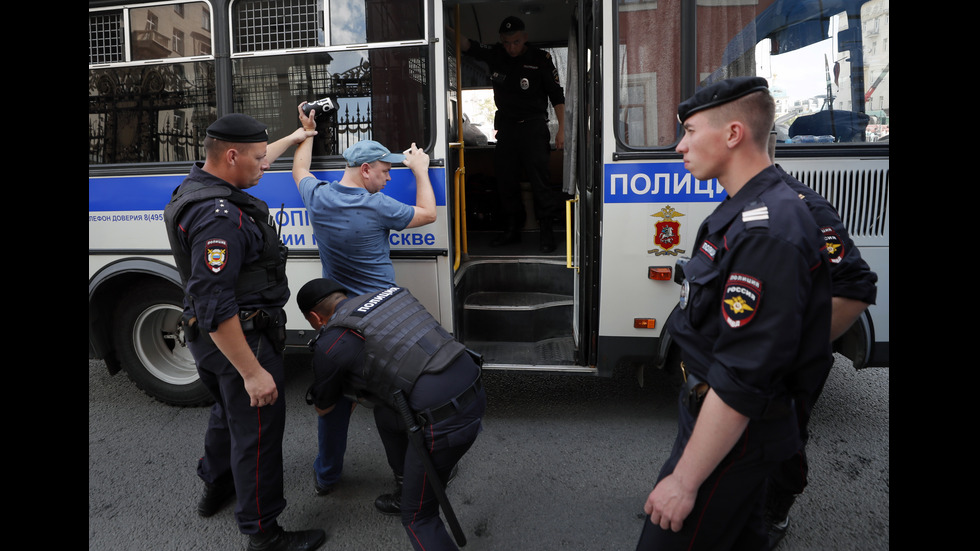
x=826, y=62
x=381, y=89
x=141, y=109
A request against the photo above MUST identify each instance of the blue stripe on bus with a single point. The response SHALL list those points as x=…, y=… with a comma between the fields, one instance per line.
x=657, y=182
x=152, y=193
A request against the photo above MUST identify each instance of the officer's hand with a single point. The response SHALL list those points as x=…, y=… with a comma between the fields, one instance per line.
x=416, y=159
x=669, y=503
x=261, y=389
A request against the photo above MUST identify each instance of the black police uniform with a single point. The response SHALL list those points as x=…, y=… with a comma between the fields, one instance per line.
x=450, y=403
x=231, y=267
x=522, y=86
x=753, y=325
x=852, y=278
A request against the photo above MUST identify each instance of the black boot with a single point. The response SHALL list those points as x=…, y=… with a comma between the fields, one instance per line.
x=391, y=504
x=278, y=539
x=547, y=236
x=215, y=496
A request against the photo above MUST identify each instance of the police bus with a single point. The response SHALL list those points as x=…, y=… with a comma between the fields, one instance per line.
x=161, y=71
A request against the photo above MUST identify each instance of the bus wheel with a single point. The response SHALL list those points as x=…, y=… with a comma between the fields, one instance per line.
x=151, y=347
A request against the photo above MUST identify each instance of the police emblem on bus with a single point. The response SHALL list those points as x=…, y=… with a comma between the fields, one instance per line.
x=217, y=254
x=667, y=232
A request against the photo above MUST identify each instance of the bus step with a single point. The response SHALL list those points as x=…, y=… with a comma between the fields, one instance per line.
x=545, y=354
x=516, y=316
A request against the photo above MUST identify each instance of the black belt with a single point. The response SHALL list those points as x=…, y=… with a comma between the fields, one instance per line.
x=447, y=410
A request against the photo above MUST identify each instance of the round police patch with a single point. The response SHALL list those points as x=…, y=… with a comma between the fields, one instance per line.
x=835, y=245
x=217, y=254
x=741, y=299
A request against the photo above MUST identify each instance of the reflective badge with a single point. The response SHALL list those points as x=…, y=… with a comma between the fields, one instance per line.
x=835, y=246
x=667, y=233
x=217, y=254
x=685, y=291
x=525, y=84
x=740, y=300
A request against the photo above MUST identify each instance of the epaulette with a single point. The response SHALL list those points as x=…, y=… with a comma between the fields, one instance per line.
x=755, y=215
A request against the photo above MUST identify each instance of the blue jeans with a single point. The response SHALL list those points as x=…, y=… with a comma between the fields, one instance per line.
x=332, y=443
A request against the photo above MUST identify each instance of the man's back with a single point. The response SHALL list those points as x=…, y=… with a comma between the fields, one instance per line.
x=351, y=227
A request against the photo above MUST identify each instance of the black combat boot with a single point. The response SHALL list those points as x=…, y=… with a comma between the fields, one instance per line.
x=277, y=539
x=215, y=496
x=391, y=504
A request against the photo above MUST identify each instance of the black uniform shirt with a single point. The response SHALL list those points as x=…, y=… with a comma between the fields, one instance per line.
x=221, y=239
x=850, y=275
x=756, y=320
x=522, y=85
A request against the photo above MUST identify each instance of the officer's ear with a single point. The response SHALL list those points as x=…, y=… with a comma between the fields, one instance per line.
x=314, y=319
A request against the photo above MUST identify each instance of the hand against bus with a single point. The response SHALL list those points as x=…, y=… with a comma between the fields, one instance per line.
x=416, y=159
x=669, y=503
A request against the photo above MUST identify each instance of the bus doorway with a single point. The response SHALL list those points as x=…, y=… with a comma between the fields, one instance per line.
x=515, y=303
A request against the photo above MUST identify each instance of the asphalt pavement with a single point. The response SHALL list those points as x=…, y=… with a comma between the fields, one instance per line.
x=565, y=462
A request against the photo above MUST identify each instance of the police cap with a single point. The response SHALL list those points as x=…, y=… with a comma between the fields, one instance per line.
x=511, y=25
x=316, y=290
x=238, y=127
x=720, y=93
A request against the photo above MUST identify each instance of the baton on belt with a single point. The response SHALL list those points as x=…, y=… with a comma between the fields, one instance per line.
x=415, y=435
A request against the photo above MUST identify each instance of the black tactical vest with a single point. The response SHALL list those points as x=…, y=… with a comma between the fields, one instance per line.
x=266, y=276
x=402, y=340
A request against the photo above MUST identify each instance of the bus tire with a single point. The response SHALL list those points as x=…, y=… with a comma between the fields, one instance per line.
x=151, y=348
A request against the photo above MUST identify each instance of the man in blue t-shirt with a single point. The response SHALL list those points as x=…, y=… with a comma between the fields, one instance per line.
x=351, y=222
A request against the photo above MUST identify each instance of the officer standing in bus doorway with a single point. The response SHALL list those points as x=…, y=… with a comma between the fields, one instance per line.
x=233, y=266
x=524, y=80
x=354, y=353
x=854, y=290
x=351, y=221
x=752, y=324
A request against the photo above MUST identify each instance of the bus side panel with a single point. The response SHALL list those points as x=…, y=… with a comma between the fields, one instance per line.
x=651, y=214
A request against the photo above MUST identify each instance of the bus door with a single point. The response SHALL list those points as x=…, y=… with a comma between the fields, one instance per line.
x=519, y=307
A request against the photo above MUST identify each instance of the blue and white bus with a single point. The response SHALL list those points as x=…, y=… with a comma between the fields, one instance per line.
x=161, y=71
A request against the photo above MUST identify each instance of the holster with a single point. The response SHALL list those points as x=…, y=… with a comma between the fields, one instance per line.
x=693, y=391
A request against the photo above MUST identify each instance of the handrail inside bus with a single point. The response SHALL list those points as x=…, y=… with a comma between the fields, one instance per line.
x=459, y=224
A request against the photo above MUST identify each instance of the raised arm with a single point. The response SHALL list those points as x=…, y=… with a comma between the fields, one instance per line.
x=304, y=151
x=425, y=199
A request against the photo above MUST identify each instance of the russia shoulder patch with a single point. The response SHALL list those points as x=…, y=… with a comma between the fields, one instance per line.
x=741, y=299
x=217, y=254
x=835, y=245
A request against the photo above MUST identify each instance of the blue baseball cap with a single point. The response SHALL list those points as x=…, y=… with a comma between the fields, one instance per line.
x=368, y=151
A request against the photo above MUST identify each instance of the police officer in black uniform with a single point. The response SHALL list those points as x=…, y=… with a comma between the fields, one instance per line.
x=854, y=289
x=752, y=324
x=524, y=80
x=370, y=346
x=233, y=266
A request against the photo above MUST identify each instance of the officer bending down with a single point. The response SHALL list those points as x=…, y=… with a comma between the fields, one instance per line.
x=375, y=344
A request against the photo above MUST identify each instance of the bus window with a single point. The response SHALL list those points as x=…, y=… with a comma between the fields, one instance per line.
x=826, y=63
x=382, y=90
x=141, y=110
x=648, y=62
x=827, y=70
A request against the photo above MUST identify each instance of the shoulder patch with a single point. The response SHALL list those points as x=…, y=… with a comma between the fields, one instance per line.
x=217, y=254
x=835, y=245
x=740, y=300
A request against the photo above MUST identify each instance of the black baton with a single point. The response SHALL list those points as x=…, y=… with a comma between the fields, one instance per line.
x=415, y=435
